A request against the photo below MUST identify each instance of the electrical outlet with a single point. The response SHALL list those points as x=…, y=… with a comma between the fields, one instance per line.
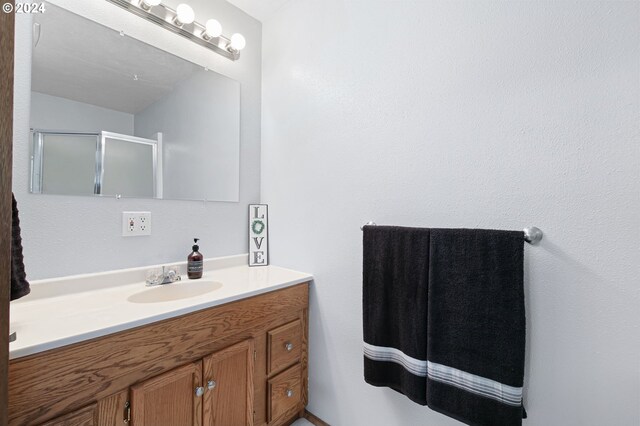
x=135, y=224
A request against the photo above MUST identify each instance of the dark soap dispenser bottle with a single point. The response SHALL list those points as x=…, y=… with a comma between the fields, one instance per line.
x=194, y=262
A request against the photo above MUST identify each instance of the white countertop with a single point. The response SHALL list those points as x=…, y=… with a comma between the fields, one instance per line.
x=68, y=310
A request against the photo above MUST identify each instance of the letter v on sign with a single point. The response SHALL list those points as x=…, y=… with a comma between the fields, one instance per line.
x=258, y=244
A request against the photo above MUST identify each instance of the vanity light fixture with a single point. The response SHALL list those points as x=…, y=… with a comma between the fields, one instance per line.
x=182, y=21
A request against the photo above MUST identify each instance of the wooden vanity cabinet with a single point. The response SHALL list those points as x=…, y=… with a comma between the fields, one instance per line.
x=239, y=364
x=216, y=391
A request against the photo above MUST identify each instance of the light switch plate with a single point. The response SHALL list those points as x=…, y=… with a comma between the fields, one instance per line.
x=136, y=224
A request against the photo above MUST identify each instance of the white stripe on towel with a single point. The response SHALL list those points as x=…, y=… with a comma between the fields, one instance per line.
x=452, y=376
x=479, y=385
x=381, y=353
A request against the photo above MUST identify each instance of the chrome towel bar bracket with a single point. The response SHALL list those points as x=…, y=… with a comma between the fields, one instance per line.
x=532, y=235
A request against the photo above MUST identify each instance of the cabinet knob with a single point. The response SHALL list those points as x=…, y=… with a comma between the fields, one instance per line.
x=288, y=346
x=211, y=384
x=199, y=391
x=289, y=393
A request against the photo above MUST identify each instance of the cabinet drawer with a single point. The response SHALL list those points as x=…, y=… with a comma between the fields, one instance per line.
x=285, y=392
x=285, y=344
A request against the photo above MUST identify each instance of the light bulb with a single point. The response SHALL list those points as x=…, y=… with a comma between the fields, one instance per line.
x=212, y=29
x=148, y=4
x=237, y=42
x=184, y=14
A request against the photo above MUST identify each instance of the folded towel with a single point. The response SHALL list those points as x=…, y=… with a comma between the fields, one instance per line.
x=19, y=283
x=476, y=326
x=394, y=300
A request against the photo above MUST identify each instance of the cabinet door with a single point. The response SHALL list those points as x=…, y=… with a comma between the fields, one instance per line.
x=83, y=417
x=228, y=380
x=109, y=411
x=112, y=410
x=170, y=399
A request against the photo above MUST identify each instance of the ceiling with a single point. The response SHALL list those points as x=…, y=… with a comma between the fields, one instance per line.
x=259, y=9
x=77, y=59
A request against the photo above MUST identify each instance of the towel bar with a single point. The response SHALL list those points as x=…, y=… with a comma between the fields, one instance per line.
x=532, y=235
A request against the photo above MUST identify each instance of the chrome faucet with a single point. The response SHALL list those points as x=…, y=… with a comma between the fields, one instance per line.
x=167, y=276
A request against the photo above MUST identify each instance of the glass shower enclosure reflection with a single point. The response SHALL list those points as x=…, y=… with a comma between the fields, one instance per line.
x=103, y=163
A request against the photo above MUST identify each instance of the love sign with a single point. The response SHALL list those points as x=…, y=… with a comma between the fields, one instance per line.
x=258, y=235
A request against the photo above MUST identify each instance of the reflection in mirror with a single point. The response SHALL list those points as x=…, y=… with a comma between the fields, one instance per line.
x=113, y=116
x=128, y=166
x=70, y=163
x=105, y=163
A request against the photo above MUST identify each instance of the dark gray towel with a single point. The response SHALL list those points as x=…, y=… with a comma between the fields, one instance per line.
x=444, y=319
x=394, y=300
x=476, y=325
x=19, y=284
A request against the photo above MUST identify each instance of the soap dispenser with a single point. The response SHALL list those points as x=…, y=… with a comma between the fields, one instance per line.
x=194, y=262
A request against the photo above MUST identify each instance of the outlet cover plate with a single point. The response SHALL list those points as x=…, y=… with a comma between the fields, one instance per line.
x=136, y=224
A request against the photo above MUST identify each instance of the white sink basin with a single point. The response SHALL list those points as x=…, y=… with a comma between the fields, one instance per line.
x=175, y=291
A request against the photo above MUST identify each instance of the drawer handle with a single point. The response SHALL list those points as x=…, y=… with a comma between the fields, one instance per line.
x=288, y=346
x=211, y=384
x=289, y=393
x=199, y=391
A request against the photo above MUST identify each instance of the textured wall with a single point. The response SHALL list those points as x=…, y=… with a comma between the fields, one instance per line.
x=463, y=114
x=69, y=235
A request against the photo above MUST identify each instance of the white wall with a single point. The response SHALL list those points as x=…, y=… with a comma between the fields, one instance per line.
x=55, y=113
x=69, y=235
x=200, y=125
x=463, y=114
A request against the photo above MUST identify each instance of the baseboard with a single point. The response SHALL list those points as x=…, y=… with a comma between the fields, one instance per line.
x=314, y=419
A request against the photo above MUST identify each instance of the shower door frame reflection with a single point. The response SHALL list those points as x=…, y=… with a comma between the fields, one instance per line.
x=37, y=158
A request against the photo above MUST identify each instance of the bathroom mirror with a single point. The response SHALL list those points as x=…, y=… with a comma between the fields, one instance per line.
x=113, y=116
